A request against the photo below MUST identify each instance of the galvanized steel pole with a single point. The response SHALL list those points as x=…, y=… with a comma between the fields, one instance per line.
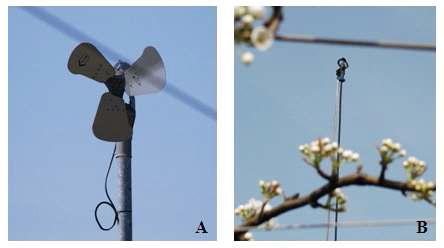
x=124, y=207
x=123, y=159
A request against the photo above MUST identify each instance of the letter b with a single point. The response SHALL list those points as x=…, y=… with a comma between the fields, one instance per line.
x=422, y=226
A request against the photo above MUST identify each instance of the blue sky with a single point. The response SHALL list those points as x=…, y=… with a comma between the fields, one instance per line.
x=57, y=167
x=286, y=98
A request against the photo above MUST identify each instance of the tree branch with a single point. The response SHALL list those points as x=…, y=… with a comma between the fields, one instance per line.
x=322, y=173
x=273, y=23
x=359, y=179
x=349, y=42
x=319, y=170
x=275, y=19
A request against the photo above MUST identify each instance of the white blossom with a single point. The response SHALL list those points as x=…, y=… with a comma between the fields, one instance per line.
x=423, y=189
x=355, y=157
x=262, y=38
x=340, y=197
x=387, y=141
x=323, y=148
x=315, y=148
x=414, y=167
x=247, y=57
x=251, y=209
x=347, y=153
x=340, y=151
x=390, y=150
x=270, y=189
x=248, y=236
x=403, y=153
x=257, y=11
x=240, y=11
x=430, y=184
x=325, y=140
x=248, y=19
x=301, y=148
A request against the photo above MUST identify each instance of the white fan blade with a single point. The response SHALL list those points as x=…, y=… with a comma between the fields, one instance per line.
x=111, y=122
x=146, y=75
x=88, y=61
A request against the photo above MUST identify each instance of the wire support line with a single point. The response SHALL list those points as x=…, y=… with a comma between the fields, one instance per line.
x=77, y=35
x=338, y=140
x=344, y=224
x=359, y=43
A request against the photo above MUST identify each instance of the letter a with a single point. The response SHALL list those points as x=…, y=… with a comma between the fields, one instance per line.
x=201, y=228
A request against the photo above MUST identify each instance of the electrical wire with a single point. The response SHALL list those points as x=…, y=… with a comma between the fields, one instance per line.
x=109, y=202
x=345, y=224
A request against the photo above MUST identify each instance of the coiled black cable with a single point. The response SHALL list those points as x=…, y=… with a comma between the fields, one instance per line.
x=109, y=202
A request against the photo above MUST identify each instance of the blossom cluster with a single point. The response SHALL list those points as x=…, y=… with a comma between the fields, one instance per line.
x=245, y=32
x=320, y=149
x=414, y=168
x=270, y=189
x=390, y=150
x=424, y=190
x=249, y=210
x=249, y=13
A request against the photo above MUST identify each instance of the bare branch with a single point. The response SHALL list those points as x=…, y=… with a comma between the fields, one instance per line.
x=322, y=173
x=274, y=22
x=350, y=42
x=275, y=19
x=319, y=170
x=384, y=166
x=263, y=207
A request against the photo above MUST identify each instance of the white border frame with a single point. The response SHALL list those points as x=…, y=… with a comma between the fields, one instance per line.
x=225, y=123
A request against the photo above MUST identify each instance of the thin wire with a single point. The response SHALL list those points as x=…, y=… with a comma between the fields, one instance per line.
x=109, y=202
x=77, y=35
x=337, y=130
x=345, y=224
x=338, y=138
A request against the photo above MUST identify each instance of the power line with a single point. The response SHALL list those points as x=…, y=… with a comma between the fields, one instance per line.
x=77, y=35
x=361, y=43
x=344, y=224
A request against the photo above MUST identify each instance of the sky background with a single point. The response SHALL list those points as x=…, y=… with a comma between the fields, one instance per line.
x=57, y=167
x=287, y=98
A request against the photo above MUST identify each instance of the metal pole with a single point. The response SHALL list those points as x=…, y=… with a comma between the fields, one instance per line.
x=124, y=207
x=123, y=159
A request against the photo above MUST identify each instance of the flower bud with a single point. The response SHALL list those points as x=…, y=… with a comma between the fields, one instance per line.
x=247, y=57
x=248, y=19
